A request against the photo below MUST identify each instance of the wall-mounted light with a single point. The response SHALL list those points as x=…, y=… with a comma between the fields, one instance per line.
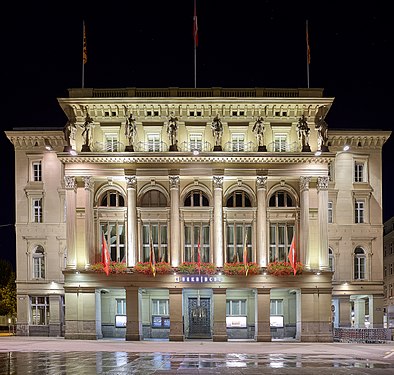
x=73, y=152
x=346, y=147
x=318, y=153
x=47, y=145
x=196, y=152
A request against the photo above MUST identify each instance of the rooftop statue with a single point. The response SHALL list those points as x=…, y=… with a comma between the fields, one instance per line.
x=322, y=129
x=303, y=131
x=217, y=130
x=130, y=132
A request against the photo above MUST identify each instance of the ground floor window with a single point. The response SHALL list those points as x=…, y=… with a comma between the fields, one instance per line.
x=276, y=307
x=160, y=313
x=236, y=307
x=121, y=306
x=39, y=310
x=196, y=235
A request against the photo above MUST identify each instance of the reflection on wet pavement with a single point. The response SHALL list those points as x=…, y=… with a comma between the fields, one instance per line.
x=164, y=363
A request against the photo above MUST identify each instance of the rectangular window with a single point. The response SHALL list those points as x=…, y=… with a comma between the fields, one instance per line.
x=358, y=172
x=276, y=307
x=281, y=236
x=37, y=210
x=111, y=142
x=115, y=236
x=330, y=216
x=238, y=142
x=158, y=233
x=160, y=307
x=37, y=171
x=359, y=212
x=195, y=233
x=121, y=306
x=280, y=143
x=236, y=235
x=195, y=142
x=236, y=307
x=39, y=310
x=153, y=142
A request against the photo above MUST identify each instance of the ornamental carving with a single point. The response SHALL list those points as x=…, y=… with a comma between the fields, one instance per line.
x=261, y=182
x=218, y=182
x=70, y=183
x=304, y=183
x=322, y=183
x=174, y=182
x=89, y=183
x=131, y=182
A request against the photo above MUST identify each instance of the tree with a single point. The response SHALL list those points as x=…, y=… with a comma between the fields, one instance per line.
x=7, y=289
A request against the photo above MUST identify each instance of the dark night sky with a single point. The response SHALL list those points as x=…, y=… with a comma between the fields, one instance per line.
x=241, y=44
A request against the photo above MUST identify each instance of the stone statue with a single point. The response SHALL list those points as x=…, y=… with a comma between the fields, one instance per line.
x=130, y=132
x=303, y=133
x=172, y=129
x=259, y=130
x=69, y=130
x=87, y=132
x=322, y=129
x=217, y=130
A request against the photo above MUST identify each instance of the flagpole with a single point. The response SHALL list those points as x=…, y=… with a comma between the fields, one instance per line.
x=83, y=54
x=195, y=36
x=308, y=55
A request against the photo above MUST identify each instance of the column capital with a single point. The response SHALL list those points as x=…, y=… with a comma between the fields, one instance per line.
x=304, y=183
x=218, y=182
x=70, y=183
x=174, y=182
x=261, y=182
x=131, y=182
x=322, y=183
x=89, y=182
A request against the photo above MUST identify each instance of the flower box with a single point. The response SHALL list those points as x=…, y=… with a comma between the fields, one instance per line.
x=238, y=268
x=191, y=268
x=161, y=268
x=283, y=268
x=114, y=267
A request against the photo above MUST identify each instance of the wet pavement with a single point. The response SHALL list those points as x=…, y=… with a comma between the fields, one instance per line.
x=59, y=356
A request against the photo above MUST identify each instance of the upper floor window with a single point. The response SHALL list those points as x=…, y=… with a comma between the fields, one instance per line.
x=37, y=210
x=281, y=198
x=153, y=142
x=196, y=198
x=154, y=198
x=38, y=263
x=330, y=212
x=238, y=142
x=238, y=239
x=330, y=260
x=155, y=235
x=111, y=142
x=359, y=264
x=238, y=199
x=280, y=237
x=114, y=232
x=280, y=142
x=37, y=171
x=359, y=211
x=358, y=171
x=195, y=141
x=112, y=198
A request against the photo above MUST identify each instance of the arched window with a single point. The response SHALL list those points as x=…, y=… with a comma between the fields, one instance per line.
x=154, y=198
x=112, y=198
x=238, y=199
x=331, y=260
x=196, y=198
x=281, y=198
x=38, y=262
x=359, y=264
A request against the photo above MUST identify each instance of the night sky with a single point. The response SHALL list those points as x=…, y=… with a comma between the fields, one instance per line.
x=150, y=44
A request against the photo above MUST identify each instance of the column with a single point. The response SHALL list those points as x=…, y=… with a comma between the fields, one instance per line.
x=263, y=332
x=71, y=228
x=132, y=258
x=99, y=330
x=344, y=312
x=376, y=311
x=54, y=316
x=219, y=315
x=133, y=325
x=322, y=189
x=175, y=221
x=89, y=227
x=261, y=230
x=359, y=313
x=176, y=317
x=304, y=221
x=218, y=221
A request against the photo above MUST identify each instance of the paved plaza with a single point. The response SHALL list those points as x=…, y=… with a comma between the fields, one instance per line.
x=43, y=355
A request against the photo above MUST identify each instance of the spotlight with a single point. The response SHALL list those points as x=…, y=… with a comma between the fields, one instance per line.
x=346, y=148
x=47, y=145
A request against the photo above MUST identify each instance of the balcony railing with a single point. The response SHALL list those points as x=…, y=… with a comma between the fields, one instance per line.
x=151, y=147
x=240, y=147
x=283, y=147
x=192, y=146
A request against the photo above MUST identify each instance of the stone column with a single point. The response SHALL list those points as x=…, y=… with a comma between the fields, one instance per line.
x=344, y=312
x=131, y=221
x=359, y=313
x=175, y=221
x=322, y=189
x=261, y=226
x=376, y=311
x=54, y=316
x=133, y=325
x=71, y=226
x=99, y=330
x=218, y=221
x=304, y=221
x=176, y=321
x=89, y=227
x=219, y=315
x=263, y=315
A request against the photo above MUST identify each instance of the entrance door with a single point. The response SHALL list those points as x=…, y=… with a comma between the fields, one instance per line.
x=199, y=318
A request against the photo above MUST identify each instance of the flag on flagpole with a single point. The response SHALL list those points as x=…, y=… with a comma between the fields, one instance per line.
x=308, y=50
x=152, y=259
x=195, y=26
x=199, y=257
x=292, y=256
x=84, y=49
x=246, y=264
x=105, y=254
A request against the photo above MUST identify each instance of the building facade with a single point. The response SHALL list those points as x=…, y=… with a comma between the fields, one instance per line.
x=388, y=272
x=207, y=176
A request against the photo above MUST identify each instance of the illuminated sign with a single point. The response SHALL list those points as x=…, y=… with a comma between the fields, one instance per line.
x=120, y=321
x=198, y=279
x=236, y=321
x=276, y=321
